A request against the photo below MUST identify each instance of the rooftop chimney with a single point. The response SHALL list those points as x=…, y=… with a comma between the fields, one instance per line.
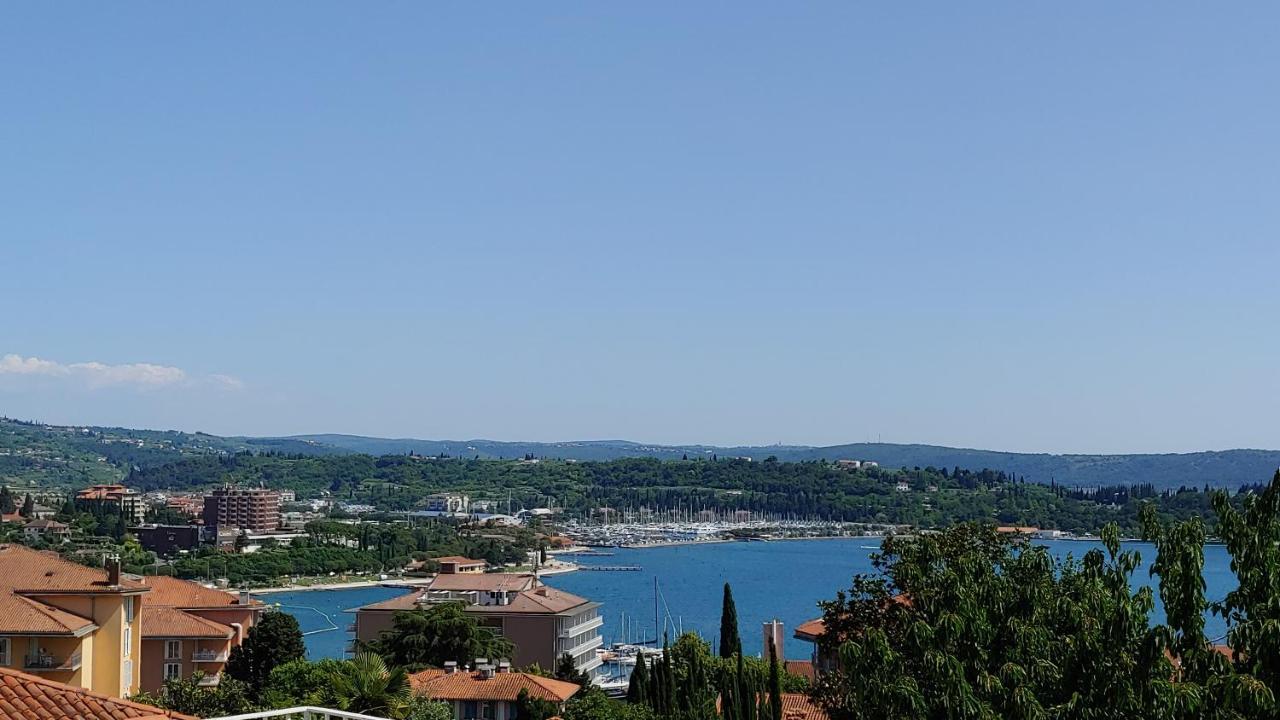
x=773, y=631
x=113, y=570
x=450, y=667
x=244, y=597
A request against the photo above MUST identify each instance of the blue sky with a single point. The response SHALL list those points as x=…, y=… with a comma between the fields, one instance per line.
x=1043, y=228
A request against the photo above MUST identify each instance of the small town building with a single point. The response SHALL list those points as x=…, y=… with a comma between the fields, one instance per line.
x=70, y=623
x=457, y=564
x=51, y=531
x=168, y=540
x=119, y=498
x=487, y=690
x=190, y=627
x=542, y=622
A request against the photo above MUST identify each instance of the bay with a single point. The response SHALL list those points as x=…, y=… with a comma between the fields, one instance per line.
x=780, y=579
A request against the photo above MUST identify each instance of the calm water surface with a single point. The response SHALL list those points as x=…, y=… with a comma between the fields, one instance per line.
x=783, y=580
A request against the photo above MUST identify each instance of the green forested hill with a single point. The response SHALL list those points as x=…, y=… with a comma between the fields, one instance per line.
x=71, y=455
x=814, y=489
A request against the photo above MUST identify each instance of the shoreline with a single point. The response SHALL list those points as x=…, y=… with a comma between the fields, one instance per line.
x=403, y=583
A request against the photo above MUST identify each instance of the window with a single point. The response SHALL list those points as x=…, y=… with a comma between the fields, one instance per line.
x=172, y=649
x=4, y=651
x=172, y=671
x=126, y=678
x=128, y=641
x=128, y=610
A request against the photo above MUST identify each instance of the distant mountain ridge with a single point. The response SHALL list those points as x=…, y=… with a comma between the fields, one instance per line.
x=44, y=454
x=1222, y=468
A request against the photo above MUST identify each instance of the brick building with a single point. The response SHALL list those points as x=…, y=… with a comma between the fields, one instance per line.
x=253, y=509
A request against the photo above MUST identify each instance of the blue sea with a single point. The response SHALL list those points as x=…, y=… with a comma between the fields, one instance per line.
x=782, y=579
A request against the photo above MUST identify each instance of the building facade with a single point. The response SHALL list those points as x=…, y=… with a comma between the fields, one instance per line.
x=191, y=627
x=488, y=691
x=543, y=623
x=70, y=623
x=252, y=509
x=117, y=497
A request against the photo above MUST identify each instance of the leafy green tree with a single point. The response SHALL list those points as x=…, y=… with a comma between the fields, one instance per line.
x=366, y=685
x=730, y=642
x=188, y=697
x=531, y=708
x=301, y=682
x=421, y=707
x=275, y=639
x=436, y=635
x=591, y=703
x=973, y=623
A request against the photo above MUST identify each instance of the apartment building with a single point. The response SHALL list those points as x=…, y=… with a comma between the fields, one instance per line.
x=70, y=623
x=190, y=627
x=117, y=497
x=252, y=509
x=542, y=622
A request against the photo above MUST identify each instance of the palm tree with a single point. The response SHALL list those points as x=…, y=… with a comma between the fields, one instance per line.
x=366, y=685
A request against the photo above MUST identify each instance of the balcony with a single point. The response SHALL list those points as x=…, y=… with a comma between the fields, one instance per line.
x=204, y=656
x=209, y=680
x=581, y=648
x=582, y=627
x=49, y=663
x=305, y=712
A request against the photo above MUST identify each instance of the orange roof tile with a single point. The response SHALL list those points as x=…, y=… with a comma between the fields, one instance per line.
x=33, y=572
x=23, y=697
x=407, y=601
x=796, y=706
x=802, y=668
x=490, y=582
x=460, y=560
x=539, y=600
x=503, y=686
x=811, y=630
x=185, y=594
x=24, y=616
x=162, y=621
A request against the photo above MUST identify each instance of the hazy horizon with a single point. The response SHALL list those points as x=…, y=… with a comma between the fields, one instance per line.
x=1012, y=227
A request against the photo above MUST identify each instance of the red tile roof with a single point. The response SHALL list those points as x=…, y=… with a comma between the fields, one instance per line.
x=503, y=686
x=161, y=621
x=32, y=572
x=541, y=599
x=458, y=559
x=186, y=594
x=24, y=697
x=23, y=616
x=811, y=630
x=407, y=601
x=490, y=582
x=802, y=668
x=796, y=706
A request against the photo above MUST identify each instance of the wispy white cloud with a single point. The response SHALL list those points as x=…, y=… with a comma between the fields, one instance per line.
x=96, y=374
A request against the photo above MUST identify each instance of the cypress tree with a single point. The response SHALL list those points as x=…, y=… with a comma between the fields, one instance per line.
x=638, y=686
x=775, y=683
x=28, y=507
x=730, y=643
